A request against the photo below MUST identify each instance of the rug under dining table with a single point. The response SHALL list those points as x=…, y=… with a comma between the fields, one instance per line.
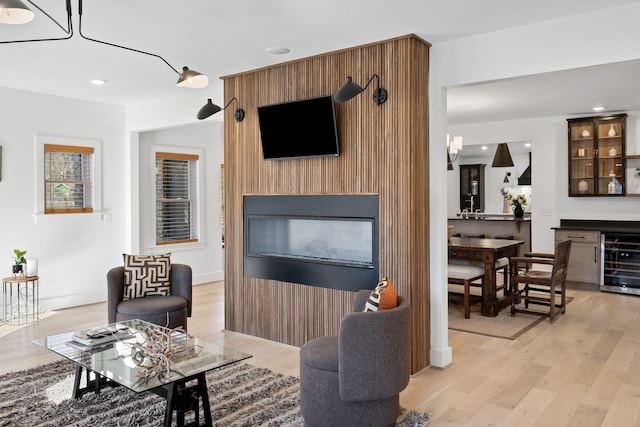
x=501, y=326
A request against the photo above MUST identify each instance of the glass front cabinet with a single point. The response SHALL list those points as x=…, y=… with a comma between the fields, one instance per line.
x=597, y=156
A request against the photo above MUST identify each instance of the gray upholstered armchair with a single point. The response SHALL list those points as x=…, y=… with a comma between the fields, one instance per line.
x=174, y=308
x=355, y=379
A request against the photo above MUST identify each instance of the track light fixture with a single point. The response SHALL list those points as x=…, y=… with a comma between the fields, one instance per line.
x=186, y=78
x=210, y=109
x=350, y=89
x=14, y=12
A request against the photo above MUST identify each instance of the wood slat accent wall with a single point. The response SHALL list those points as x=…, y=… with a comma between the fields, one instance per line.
x=383, y=150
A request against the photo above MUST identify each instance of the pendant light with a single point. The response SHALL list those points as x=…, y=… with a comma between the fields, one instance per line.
x=502, y=158
x=192, y=79
x=14, y=12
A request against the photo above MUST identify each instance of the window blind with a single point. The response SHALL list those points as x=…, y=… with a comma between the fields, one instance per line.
x=176, y=198
x=68, y=176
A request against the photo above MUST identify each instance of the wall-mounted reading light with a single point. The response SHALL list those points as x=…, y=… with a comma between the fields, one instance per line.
x=502, y=158
x=210, y=109
x=506, y=177
x=15, y=8
x=350, y=89
x=14, y=12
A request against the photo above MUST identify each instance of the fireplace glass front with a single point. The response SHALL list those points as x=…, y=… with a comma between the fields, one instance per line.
x=328, y=241
x=338, y=241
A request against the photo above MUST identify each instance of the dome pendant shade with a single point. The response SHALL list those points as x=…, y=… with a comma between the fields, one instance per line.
x=348, y=90
x=502, y=158
x=209, y=109
x=14, y=12
x=192, y=79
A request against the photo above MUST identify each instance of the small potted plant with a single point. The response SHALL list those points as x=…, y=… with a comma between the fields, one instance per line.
x=19, y=261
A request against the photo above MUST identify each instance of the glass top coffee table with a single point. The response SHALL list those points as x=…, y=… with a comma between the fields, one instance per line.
x=142, y=356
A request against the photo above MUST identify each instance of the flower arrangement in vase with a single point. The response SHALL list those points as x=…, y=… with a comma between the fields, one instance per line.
x=517, y=202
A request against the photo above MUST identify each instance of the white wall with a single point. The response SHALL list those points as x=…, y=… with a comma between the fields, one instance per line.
x=74, y=252
x=548, y=46
x=204, y=257
x=173, y=121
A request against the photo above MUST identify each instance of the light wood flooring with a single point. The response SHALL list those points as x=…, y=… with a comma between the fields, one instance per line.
x=584, y=370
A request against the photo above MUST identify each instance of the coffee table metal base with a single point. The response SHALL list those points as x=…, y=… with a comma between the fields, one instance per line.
x=181, y=396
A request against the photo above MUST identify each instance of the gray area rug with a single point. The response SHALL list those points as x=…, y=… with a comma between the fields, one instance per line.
x=240, y=395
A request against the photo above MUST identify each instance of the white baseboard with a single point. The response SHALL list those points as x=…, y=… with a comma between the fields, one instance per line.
x=441, y=358
x=214, y=276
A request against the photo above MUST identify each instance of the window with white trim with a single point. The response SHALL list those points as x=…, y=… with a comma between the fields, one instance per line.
x=176, y=198
x=68, y=179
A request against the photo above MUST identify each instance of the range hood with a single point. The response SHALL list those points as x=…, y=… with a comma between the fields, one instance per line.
x=525, y=178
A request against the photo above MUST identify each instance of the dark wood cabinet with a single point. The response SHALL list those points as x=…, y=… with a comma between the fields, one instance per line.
x=472, y=187
x=597, y=156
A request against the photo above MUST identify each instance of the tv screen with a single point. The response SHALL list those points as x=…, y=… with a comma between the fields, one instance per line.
x=305, y=128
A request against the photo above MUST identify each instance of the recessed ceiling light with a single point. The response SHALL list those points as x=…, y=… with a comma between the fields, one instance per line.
x=98, y=82
x=527, y=144
x=484, y=147
x=277, y=50
x=598, y=108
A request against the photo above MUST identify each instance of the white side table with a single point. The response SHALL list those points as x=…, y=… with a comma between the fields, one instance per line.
x=21, y=300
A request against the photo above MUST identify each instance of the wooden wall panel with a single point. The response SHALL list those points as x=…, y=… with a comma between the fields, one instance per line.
x=383, y=150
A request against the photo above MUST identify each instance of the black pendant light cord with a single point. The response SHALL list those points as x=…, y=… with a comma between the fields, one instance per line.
x=68, y=30
x=115, y=45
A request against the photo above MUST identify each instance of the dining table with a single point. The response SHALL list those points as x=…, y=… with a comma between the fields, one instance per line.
x=487, y=251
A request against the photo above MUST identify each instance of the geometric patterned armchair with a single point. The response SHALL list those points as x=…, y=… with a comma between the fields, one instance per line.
x=133, y=292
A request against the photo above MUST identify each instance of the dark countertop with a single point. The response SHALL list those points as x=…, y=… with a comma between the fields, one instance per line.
x=508, y=218
x=611, y=226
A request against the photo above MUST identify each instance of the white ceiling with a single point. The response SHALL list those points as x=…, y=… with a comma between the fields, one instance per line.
x=221, y=37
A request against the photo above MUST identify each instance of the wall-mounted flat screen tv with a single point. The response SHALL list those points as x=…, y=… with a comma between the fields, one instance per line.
x=305, y=128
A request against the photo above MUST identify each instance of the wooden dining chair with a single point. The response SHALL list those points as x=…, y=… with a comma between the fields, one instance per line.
x=502, y=264
x=540, y=286
x=465, y=275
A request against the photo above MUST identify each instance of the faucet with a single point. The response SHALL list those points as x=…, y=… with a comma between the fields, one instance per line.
x=470, y=200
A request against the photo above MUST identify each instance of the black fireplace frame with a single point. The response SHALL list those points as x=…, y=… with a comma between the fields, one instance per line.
x=325, y=274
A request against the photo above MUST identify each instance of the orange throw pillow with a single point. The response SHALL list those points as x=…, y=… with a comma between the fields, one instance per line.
x=383, y=297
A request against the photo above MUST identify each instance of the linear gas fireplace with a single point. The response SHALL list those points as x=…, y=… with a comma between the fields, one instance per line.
x=329, y=240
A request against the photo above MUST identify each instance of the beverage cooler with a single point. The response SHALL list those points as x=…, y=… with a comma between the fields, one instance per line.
x=621, y=263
